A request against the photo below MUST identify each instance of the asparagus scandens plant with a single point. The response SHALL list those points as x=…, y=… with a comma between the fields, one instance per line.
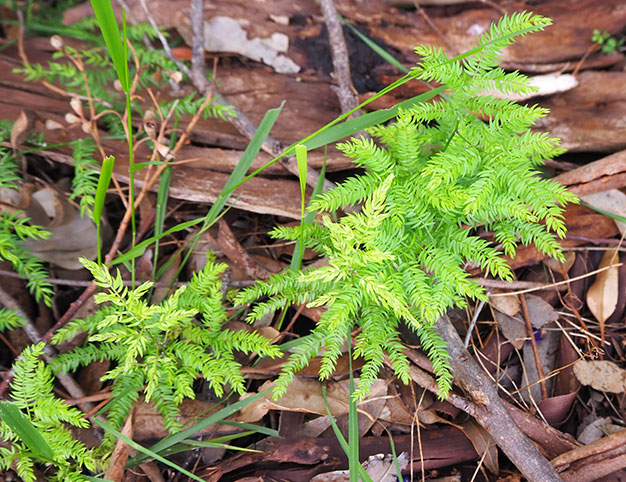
x=435, y=175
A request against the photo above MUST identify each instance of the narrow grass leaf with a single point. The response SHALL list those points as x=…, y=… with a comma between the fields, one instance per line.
x=353, y=423
x=386, y=56
x=340, y=438
x=25, y=430
x=103, y=185
x=251, y=151
x=147, y=452
x=111, y=34
x=235, y=179
x=309, y=216
x=252, y=427
x=160, y=210
x=302, y=161
x=217, y=417
x=140, y=248
x=352, y=126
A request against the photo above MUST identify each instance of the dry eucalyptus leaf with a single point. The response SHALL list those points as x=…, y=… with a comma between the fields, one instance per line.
x=602, y=375
x=71, y=236
x=540, y=311
x=603, y=294
x=560, y=266
x=482, y=442
x=512, y=328
x=509, y=305
x=22, y=127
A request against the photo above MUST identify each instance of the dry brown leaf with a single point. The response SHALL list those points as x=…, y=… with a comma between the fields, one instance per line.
x=72, y=236
x=509, y=305
x=602, y=375
x=304, y=394
x=483, y=443
x=559, y=266
x=540, y=312
x=603, y=294
x=21, y=128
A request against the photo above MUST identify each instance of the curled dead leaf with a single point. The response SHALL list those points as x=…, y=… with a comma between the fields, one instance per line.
x=603, y=294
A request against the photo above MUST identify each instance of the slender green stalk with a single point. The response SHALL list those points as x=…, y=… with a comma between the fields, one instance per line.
x=353, y=423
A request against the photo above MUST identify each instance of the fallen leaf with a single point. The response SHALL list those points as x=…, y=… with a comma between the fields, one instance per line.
x=72, y=236
x=603, y=294
x=602, y=375
x=22, y=127
x=560, y=266
x=540, y=312
x=483, y=443
x=509, y=305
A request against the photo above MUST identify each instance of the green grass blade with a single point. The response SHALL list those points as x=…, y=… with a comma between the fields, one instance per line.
x=392, y=445
x=101, y=190
x=301, y=158
x=252, y=428
x=25, y=430
x=251, y=151
x=149, y=453
x=103, y=185
x=340, y=438
x=352, y=126
x=217, y=417
x=309, y=216
x=608, y=214
x=233, y=181
x=140, y=248
x=111, y=33
x=160, y=210
x=353, y=424
x=386, y=56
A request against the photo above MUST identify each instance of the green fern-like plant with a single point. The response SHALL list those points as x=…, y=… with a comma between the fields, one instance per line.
x=85, y=179
x=160, y=350
x=440, y=171
x=14, y=228
x=31, y=393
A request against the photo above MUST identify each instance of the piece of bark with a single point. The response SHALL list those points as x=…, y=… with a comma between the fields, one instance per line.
x=587, y=118
x=606, y=173
x=403, y=30
x=595, y=460
x=492, y=414
x=440, y=448
x=121, y=452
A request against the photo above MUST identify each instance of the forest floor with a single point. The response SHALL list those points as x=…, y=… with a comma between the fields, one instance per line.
x=568, y=318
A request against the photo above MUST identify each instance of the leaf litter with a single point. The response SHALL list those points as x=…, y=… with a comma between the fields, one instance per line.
x=585, y=116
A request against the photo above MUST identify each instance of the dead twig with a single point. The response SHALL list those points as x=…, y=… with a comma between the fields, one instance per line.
x=344, y=89
x=533, y=343
x=491, y=413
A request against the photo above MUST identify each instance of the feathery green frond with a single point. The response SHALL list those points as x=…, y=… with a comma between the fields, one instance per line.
x=160, y=350
x=440, y=171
